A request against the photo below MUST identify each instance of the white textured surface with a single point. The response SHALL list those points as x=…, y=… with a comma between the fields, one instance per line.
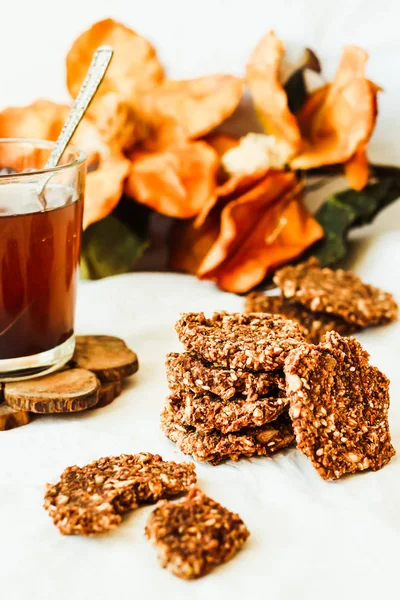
x=310, y=539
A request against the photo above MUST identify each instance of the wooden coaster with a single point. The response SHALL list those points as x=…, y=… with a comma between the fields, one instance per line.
x=10, y=418
x=107, y=356
x=62, y=392
x=108, y=392
x=93, y=379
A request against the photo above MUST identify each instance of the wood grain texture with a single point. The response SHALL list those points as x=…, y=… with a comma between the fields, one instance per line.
x=106, y=356
x=67, y=391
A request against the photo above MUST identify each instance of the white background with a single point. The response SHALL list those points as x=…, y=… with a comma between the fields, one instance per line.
x=199, y=37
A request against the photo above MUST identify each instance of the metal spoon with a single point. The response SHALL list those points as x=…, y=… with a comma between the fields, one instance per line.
x=95, y=75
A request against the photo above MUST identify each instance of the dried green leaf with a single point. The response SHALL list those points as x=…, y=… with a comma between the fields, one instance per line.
x=350, y=209
x=110, y=247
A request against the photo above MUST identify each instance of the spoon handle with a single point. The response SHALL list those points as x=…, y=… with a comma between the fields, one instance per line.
x=98, y=67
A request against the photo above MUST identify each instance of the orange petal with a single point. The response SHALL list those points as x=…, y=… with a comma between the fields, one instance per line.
x=344, y=121
x=176, y=182
x=239, y=217
x=117, y=121
x=198, y=105
x=310, y=108
x=134, y=66
x=162, y=132
x=189, y=244
x=104, y=188
x=43, y=120
x=285, y=231
x=221, y=142
x=262, y=76
x=232, y=188
x=357, y=170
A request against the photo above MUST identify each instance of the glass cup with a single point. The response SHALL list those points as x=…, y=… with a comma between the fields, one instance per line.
x=39, y=257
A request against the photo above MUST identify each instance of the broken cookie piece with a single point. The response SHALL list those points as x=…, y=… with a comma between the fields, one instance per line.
x=207, y=412
x=215, y=447
x=240, y=341
x=316, y=324
x=195, y=534
x=339, y=407
x=90, y=500
x=337, y=292
x=187, y=371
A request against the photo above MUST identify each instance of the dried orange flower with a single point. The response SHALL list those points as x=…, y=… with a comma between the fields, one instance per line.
x=239, y=200
x=245, y=238
x=336, y=121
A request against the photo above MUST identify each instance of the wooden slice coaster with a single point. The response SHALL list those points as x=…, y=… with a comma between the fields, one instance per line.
x=108, y=392
x=107, y=356
x=67, y=391
x=10, y=418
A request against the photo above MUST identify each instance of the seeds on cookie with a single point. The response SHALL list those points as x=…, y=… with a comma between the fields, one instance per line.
x=240, y=341
x=338, y=292
x=188, y=371
x=195, y=534
x=316, y=324
x=207, y=412
x=90, y=500
x=215, y=447
x=339, y=407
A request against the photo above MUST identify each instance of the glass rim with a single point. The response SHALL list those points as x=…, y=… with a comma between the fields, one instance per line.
x=80, y=157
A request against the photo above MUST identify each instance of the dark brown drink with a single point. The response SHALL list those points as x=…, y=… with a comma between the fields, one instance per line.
x=39, y=259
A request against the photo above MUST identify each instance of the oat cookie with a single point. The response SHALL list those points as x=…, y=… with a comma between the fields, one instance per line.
x=215, y=447
x=195, y=534
x=90, y=500
x=187, y=371
x=316, y=324
x=206, y=412
x=256, y=342
x=337, y=292
x=339, y=407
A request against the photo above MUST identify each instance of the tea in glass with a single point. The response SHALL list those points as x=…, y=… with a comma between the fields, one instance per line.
x=39, y=257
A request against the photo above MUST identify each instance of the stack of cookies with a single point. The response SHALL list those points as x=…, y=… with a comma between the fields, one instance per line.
x=228, y=394
x=322, y=299
x=249, y=384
